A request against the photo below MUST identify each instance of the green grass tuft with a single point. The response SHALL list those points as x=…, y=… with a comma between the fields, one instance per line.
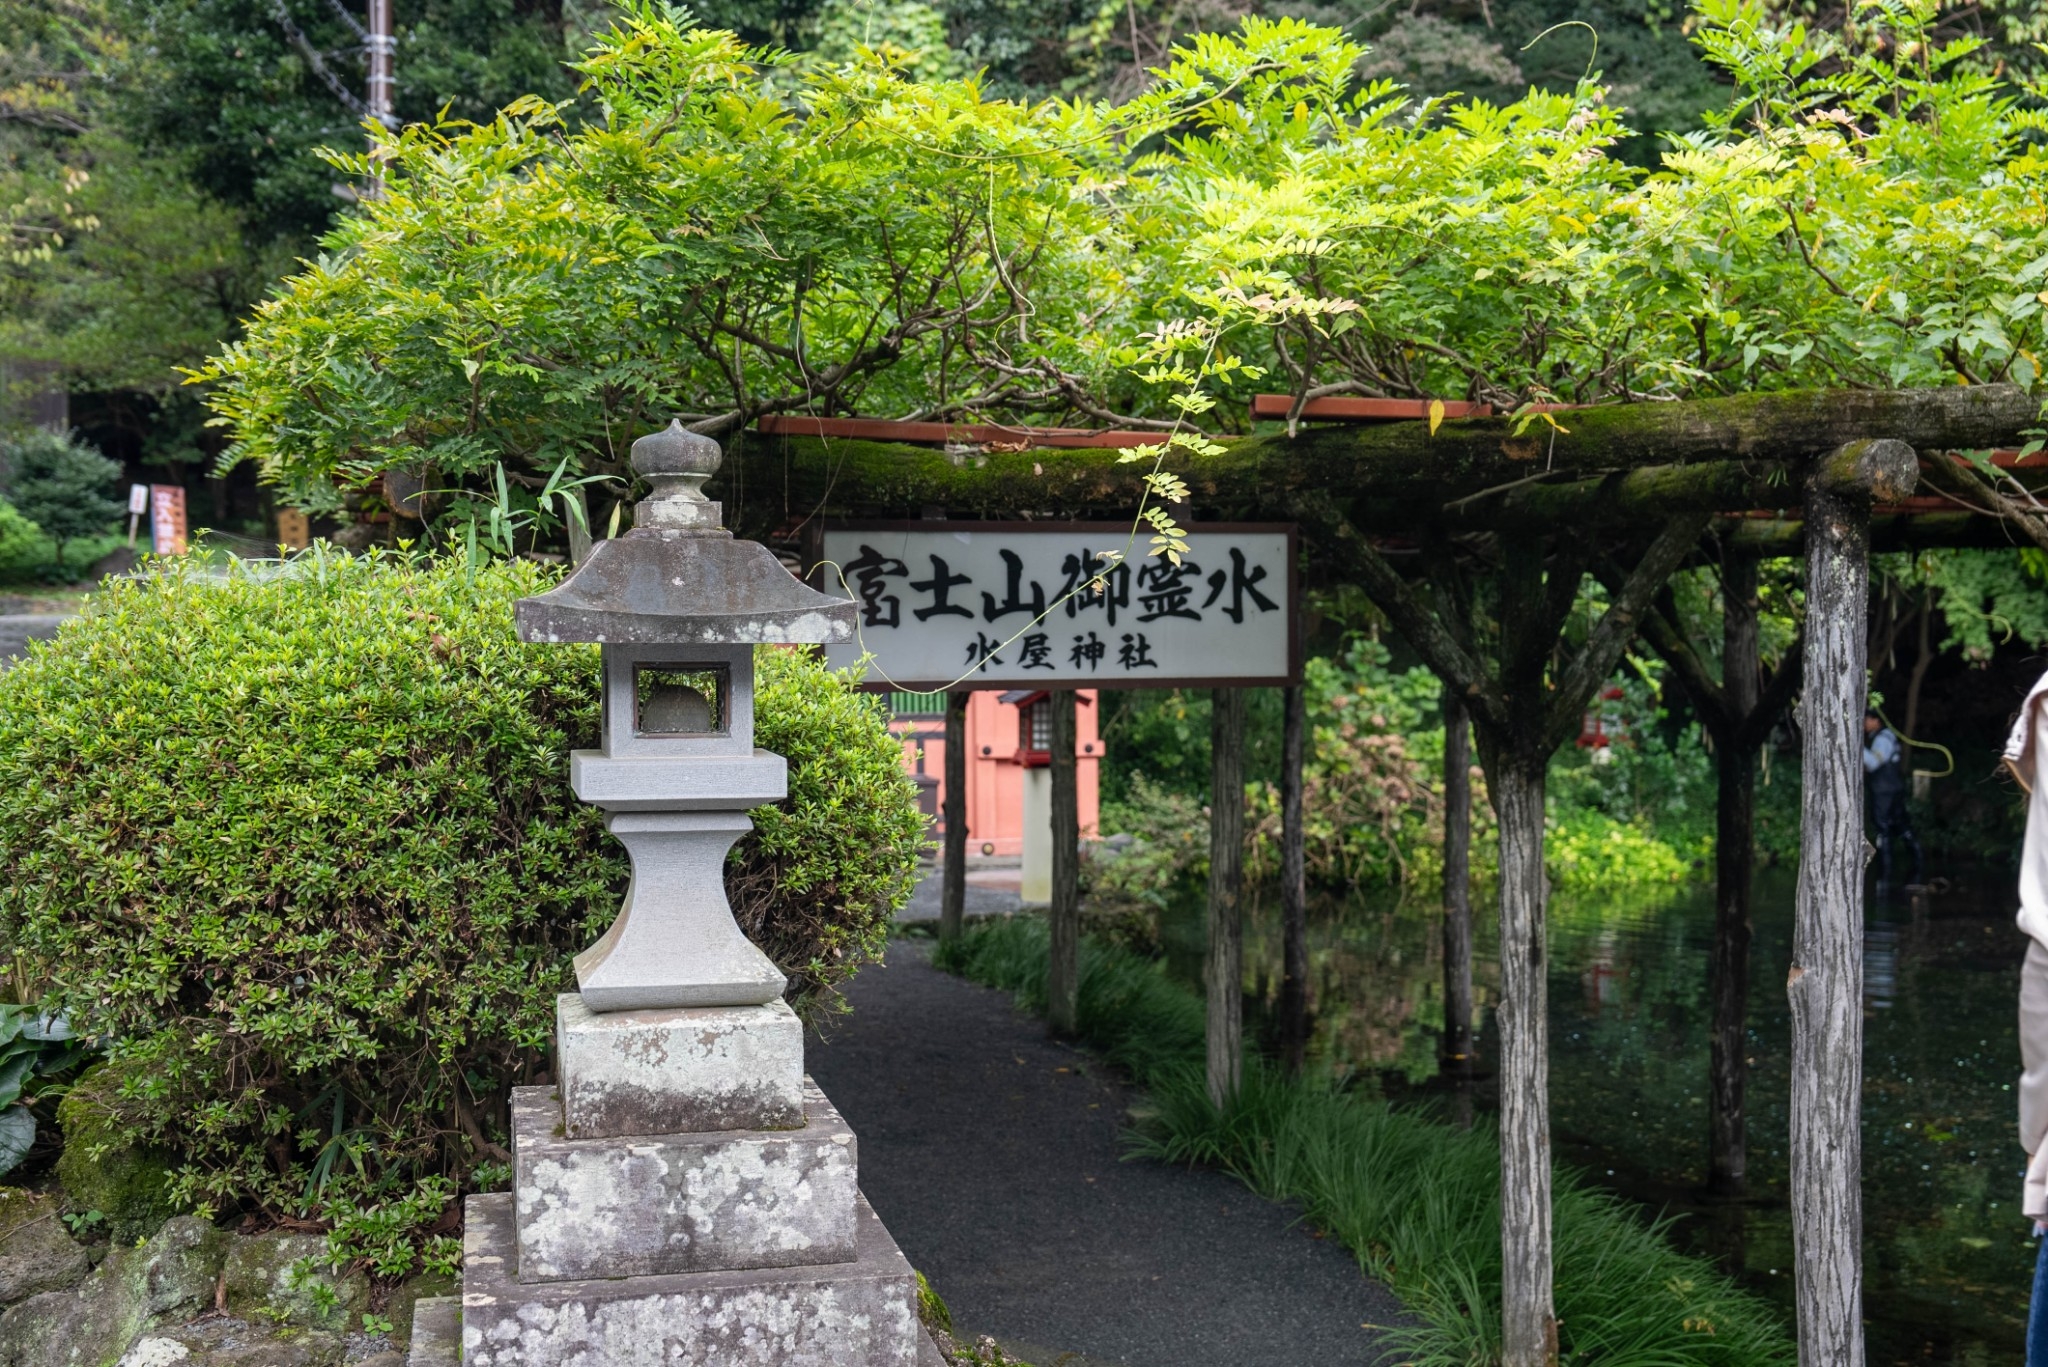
x=1417, y=1201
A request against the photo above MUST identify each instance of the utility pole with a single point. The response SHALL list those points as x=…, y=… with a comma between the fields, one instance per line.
x=383, y=48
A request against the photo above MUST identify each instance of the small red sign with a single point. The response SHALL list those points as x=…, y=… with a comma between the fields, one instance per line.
x=167, y=518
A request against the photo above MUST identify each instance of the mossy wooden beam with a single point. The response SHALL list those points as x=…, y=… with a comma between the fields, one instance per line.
x=1632, y=497
x=809, y=474
x=1769, y=538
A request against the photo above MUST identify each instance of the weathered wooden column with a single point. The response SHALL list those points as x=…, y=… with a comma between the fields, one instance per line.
x=1825, y=982
x=1063, y=970
x=1734, y=865
x=1223, y=969
x=1521, y=715
x=953, y=890
x=1293, y=881
x=1515, y=778
x=1456, y=1049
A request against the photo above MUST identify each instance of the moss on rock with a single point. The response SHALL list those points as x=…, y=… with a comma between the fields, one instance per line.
x=286, y=1278
x=36, y=1254
x=169, y=1277
x=101, y=1170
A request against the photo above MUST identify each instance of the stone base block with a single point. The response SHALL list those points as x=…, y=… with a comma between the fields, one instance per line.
x=678, y=1070
x=436, y=1333
x=646, y=1205
x=856, y=1314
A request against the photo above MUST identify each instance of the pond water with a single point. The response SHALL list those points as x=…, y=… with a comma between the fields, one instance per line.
x=1948, y=1256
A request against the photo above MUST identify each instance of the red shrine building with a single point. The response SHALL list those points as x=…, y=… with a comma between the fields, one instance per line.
x=1009, y=738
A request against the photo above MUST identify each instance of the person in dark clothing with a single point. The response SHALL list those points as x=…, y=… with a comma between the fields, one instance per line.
x=1884, y=776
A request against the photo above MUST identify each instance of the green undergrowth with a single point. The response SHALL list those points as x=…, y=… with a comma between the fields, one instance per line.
x=1417, y=1200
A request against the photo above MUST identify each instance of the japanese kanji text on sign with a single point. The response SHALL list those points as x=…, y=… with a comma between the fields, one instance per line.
x=1042, y=604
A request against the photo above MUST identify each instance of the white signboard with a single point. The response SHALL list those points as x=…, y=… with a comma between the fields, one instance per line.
x=1038, y=604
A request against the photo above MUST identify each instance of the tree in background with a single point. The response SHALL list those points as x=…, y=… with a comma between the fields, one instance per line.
x=161, y=157
x=912, y=27
x=60, y=485
x=744, y=234
x=48, y=55
x=244, y=93
x=120, y=269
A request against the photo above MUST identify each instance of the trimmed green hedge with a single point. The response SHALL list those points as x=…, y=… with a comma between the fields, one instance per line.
x=302, y=846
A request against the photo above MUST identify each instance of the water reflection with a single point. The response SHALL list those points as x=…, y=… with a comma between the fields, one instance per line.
x=1948, y=1258
x=1880, y=961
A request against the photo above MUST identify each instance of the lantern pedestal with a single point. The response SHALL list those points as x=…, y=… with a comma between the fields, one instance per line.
x=859, y=1313
x=675, y=942
x=658, y=1204
x=678, y=1071
x=740, y=1241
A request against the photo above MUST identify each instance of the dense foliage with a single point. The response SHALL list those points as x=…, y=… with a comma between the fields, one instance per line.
x=60, y=484
x=1415, y=1200
x=20, y=542
x=1985, y=599
x=1636, y=812
x=734, y=233
x=302, y=847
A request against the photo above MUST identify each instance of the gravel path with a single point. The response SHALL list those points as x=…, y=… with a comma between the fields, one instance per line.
x=993, y=1156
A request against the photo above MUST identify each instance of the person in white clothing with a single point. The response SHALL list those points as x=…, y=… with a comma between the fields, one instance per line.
x=2026, y=754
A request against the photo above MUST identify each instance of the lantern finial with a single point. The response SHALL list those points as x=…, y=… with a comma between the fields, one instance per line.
x=677, y=461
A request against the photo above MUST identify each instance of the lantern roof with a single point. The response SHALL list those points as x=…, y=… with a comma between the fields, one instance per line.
x=679, y=578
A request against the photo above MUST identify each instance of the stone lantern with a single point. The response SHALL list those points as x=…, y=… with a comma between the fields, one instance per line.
x=679, y=606
x=684, y=1194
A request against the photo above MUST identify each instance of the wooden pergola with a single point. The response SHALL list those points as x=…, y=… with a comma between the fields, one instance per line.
x=1628, y=493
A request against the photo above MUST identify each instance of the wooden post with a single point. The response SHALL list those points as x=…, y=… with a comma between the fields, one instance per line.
x=1825, y=982
x=1223, y=970
x=953, y=891
x=1531, y=611
x=1528, y=1326
x=1293, y=882
x=1521, y=715
x=1734, y=862
x=1457, y=895
x=1063, y=971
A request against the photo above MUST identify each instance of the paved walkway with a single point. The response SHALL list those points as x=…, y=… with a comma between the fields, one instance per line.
x=990, y=892
x=993, y=1156
x=17, y=630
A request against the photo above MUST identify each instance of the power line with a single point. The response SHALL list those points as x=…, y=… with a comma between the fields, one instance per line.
x=316, y=61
